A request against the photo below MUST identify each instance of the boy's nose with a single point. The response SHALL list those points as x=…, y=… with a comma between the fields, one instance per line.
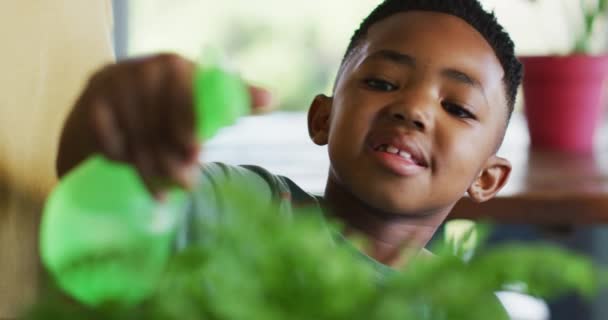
x=415, y=104
x=415, y=116
x=418, y=124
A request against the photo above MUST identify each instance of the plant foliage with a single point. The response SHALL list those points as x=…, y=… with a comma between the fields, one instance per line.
x=255, y=263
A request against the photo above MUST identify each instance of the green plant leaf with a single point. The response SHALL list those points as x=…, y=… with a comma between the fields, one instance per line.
x=257, y=264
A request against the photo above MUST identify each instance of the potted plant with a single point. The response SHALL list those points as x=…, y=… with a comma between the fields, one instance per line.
x=563, y=95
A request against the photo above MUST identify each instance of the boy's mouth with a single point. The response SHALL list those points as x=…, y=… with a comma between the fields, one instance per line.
x=402, y=153
x=393, y=150
x=405, y=151
x=400, y=157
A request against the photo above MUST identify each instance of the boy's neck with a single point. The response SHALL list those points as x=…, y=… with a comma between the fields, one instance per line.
x=392, y=239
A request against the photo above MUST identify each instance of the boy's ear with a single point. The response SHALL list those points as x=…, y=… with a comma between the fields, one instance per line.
x=318, y=119
x=490, y=180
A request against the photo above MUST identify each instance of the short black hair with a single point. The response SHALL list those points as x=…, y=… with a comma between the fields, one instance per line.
x=468, y=10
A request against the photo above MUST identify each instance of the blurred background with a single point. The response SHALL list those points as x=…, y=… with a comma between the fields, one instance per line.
x=294, y=47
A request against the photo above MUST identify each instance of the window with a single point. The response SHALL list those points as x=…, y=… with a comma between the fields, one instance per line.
x=291, y=47
x=541, y=27
x=294, y=47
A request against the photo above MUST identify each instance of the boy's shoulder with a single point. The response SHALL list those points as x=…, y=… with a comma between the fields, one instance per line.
x=208, y=200
x=252, y=177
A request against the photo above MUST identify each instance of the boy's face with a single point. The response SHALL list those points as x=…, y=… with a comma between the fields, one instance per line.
x=416, y=116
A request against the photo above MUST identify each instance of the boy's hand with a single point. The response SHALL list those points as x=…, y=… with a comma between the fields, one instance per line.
x=140, y=112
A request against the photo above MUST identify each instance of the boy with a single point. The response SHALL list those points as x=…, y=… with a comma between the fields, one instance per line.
x=420, y=106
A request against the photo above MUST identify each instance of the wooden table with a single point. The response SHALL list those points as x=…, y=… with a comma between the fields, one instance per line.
x=546, y=188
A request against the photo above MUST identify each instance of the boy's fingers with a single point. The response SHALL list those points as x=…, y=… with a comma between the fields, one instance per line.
x=179, y=107
x=147, y=173
x=180, y=173
x=192, y=154
x=149, y=80
x=161, y=167
x=261, y=99
x=154, y=188
x=107, y=132
x=130, y=116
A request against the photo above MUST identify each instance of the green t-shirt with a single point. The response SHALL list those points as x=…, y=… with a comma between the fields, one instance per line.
x=207, y=202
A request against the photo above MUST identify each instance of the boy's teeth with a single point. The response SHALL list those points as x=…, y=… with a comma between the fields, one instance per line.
x=394, y=150
x=391, y=149
x=405, y=155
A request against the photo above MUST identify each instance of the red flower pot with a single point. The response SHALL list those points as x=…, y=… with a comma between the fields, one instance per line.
x=563, y=99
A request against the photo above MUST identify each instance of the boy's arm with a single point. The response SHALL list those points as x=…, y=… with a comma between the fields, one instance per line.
x=140, y=112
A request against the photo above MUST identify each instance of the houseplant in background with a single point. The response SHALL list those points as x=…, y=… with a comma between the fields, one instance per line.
x=563, y=95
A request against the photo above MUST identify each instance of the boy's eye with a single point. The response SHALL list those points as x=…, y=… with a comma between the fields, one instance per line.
x=458, y=111
x=379, y=84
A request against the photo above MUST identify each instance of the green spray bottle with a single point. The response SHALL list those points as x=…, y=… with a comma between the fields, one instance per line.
x=104, y=238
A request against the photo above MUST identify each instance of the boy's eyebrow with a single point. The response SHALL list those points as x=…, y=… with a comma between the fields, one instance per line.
x=394, y=56
x=407, y=60
x=462, y=77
